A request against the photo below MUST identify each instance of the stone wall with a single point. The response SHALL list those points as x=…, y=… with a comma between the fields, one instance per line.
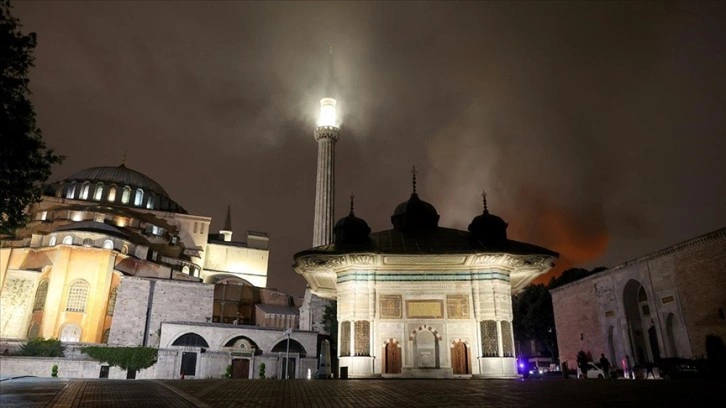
x=577, y=322
x=685, y=286
x=170, y=300
x=700, y=274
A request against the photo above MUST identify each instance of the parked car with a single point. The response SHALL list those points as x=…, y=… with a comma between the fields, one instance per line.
x=680, y=368
x=593, y=371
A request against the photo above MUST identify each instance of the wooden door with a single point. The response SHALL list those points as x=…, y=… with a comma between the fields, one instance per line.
x=240, y=368
x=392, y=355
x=460, y=358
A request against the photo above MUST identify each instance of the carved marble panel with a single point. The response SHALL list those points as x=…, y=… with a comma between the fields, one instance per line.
x=425, y=309
x=390, y=306
x=457, y=306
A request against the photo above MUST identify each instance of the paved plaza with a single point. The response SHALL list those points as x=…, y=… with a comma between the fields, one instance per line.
x=47, y=392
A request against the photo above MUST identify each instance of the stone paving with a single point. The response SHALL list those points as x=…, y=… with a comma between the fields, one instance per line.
x=48, y=392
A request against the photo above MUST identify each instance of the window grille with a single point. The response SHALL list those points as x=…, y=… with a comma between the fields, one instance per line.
x=362, y=338
x=507, y=339
x=345, y=339
x=489, y=341
x=77, y=297
x=111, y=302
x=40, y=295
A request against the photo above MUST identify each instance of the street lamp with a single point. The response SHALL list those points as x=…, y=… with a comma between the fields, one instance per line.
x=287, y=332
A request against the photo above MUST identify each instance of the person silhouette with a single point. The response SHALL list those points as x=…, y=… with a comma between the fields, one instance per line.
x=605, y=365
x=649, y=368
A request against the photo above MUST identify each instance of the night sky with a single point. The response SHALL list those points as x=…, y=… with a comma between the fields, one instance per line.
x=597, y=129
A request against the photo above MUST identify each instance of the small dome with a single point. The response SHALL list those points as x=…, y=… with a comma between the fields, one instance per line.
x=489, y=228
x=351, y=229
x=415, y=214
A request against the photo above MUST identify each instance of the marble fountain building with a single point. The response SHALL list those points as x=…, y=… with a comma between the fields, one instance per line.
x=421, y=300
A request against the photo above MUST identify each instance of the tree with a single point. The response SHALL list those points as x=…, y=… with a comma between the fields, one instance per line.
x=131, y=359
x=25, y=161
x=534, y=318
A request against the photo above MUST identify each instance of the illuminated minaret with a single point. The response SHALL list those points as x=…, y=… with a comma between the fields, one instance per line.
x=326, y=134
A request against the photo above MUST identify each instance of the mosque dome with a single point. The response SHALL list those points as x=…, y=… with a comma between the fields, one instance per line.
x=415, y=214
x=118, y=185
x=488, y=228
x=351, y=230
x=119, y=175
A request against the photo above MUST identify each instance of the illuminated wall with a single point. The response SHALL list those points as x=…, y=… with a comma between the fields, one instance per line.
x=77, y=282
x=249, y=264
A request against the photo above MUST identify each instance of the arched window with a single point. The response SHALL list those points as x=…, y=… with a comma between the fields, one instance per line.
x=108, y=244
x=126, y=195
x=84, y=191
x=77, y=296
x=190, y=340
x=71, y=192
x=34, y=331
x=98, y=193
x=40, y=295
x=87, y=242
x=111, y=302
x=68, y=240
x=111, y=194
x=125, y=249
x=104, y=337
x=52, y=241
x=150, y=202
x=139, y=198
x=71, y=332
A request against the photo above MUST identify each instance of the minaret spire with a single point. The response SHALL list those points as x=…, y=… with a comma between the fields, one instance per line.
x=352, y=199
x=228, y=219
x=226, y=231
x=485, y=210
x=326, y=134
x=413, y=174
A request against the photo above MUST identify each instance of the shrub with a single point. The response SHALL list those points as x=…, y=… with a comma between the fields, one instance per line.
x=228, y=371
x=54, y=371
x=262, y=370
x=40, y=347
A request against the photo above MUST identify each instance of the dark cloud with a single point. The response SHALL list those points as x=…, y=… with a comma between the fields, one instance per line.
x=595, y=127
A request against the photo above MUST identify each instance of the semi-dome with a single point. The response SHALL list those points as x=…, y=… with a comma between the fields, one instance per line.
x=415, y=214
x=117, y=185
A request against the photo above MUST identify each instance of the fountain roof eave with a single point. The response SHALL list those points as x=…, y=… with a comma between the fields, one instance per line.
x=437, y=241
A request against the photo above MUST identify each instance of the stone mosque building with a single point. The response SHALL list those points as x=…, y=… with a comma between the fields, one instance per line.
x=111, y=258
